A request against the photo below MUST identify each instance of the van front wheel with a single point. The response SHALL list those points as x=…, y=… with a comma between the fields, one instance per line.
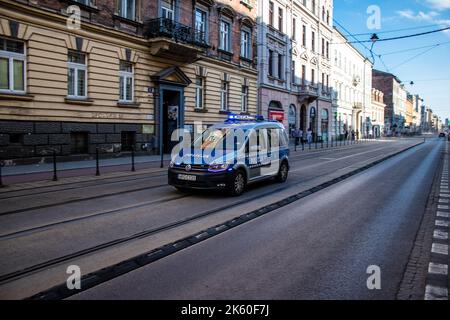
x=283, y=172
x=238, y=182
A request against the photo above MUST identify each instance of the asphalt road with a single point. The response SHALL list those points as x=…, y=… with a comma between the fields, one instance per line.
x=288, y=253
x=316, y=248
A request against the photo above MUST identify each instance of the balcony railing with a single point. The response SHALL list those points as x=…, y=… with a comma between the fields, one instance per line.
x=167, y=28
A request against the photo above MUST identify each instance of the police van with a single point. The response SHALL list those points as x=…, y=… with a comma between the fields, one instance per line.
x=231, y=155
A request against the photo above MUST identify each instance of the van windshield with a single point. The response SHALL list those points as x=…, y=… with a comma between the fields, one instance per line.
x=214, y=139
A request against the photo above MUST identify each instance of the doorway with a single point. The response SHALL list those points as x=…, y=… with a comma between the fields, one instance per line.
x=303, y=118
x=171, y=116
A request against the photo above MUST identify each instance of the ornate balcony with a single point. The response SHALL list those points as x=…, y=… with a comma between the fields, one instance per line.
x=173, y=40
x=308, y=93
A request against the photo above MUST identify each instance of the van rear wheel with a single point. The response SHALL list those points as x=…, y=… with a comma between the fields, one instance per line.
x=238, y=183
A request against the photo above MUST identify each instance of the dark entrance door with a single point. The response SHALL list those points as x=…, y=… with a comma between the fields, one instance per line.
x=171, y=112
x=78, y=142
x=303, y=118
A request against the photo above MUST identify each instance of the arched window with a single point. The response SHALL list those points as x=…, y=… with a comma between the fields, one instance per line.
x=275, y=105
x=324, y=114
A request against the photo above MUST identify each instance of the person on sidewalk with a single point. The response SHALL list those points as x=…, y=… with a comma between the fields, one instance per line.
x=298, y=133
x=309, y=136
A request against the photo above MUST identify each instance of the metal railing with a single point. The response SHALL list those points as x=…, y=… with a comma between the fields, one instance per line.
x=168, y=28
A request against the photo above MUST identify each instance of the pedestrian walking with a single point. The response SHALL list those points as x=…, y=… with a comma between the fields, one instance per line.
x=353, y=135
x=309, y=135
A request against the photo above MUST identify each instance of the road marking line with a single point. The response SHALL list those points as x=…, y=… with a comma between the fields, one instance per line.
x=442, y=235
x=439, y=248
x=438, y=268
x=443, y=214
x=435, y=293
x=440, y=206
x=444, y=200
x=444, y=195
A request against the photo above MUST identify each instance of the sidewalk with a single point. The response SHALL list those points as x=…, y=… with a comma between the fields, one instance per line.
x=82, y=164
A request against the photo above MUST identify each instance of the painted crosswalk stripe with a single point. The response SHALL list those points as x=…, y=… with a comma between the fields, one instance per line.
x=443, y=207
x=441, y=235
x=444, y=200
x=435, y=293
x=441, y=223
x=444, y=195
x=438, y=268
x=443, y=214
x=439, y=248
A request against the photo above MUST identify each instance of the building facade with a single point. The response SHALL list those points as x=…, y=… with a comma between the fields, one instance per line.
x=352, y=82
x=125, y=76
x=377, y=113
x=395, y=100
x=294, y=63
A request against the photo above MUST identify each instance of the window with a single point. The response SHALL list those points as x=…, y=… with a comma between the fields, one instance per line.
x=328, y=17
x=303, y=75
x=328, y=50
x=271, y=13
x=313, y=75
x=323, y=13
x=127, y=9
x=224, y=96
x=77, y=75
x=323, y=47
x=328, y=83
x=12, y=66
x=304, y=36
x=200, y=25
x=270, y=62
x=245, y=44
x=199, y=93
x=126, y=81
x=293, y=72
x=323, y=81
x=244, y=99
x=167, y=9
x=294, y=29
x=313, y=6
x=224, y=41
x=280, y=66
x=85, y=2
x=280, y=19
x=313, y=41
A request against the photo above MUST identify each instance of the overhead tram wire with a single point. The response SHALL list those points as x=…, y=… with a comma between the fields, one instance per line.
x=394, y=30
x=399, y=37
x=414, y=57
x=416, y=48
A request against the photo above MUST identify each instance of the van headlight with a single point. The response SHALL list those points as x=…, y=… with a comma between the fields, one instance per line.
x=218, y=167
x=171, y=164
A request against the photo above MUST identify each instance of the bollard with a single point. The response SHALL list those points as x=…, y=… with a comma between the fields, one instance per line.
x=303, y=145
x=132, y=159
x=309, y=143
x=328, y=142
x=321, y=144
x=55, y=177
x=316, y=143
x=97, y=172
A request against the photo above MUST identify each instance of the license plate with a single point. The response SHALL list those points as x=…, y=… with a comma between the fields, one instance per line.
x=187, y=177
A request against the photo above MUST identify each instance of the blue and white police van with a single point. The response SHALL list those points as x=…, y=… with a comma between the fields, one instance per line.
x=231, y=155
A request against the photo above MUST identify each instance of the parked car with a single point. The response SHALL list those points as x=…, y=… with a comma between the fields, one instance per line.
x=442, y=135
